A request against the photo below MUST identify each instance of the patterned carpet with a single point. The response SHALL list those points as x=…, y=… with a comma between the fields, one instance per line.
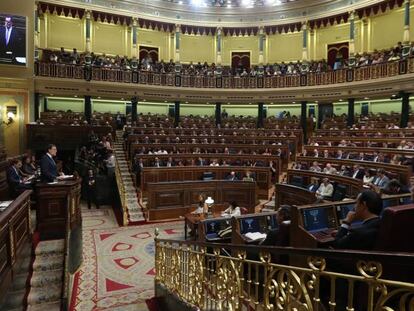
x=118, y=269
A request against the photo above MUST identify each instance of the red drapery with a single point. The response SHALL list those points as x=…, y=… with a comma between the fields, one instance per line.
x=240, y=59
x=147, y=50
x=340, y=50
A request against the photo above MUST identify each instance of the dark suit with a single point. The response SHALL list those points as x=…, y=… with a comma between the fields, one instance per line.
x=363, y=237
x=15, y=47
x=48, y=169
x=313, y=187
x=358, y=175
x=91, y=191
x=15, y=181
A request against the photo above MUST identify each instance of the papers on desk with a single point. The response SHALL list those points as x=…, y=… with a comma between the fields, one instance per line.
x=65, y=177
x=52, y=183
x=255, y=236
x=4, y=205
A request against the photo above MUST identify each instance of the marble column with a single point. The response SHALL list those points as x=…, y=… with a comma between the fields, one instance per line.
x=218, y=45
x=177, y=48
x=352, y=39
x=135, y=52
x=406, y=36
x=36, y=33
x=351, y=112
x=261, y=49
x=405, y=109
x=88, y=26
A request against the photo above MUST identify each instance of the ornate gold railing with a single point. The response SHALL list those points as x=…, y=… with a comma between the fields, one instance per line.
x=204, y=276
x=91, y=73
x=122, y=193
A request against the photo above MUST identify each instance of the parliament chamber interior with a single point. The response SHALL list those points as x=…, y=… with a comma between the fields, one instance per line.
x=174, y=155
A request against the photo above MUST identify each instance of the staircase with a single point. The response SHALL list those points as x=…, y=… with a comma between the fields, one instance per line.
x=47, y=278
x=126, y=187
x=16, y=296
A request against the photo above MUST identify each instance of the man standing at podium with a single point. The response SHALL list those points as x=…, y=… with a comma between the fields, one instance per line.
x=48, y=168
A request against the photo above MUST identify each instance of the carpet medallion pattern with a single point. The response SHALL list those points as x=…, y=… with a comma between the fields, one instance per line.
x=118, y=269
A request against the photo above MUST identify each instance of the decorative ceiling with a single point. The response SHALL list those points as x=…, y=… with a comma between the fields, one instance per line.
x=225, y=13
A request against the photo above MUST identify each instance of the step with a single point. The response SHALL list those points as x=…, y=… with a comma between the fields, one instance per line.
x=14, y=299
x=19, y=282
x=52, y=306
x=50, y=247
x=45, y=294
x=43, y=278
x=47, y=263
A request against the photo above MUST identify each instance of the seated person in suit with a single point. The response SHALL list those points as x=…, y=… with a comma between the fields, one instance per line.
x=395, y=187
x=232, y=176
x=357, y=172
x=232, y=210
x=314, y=185
x=15, y=180
x=368, y=178
x=381, y=182
x=248, y=177
x=367, y=209
x=280, y=236
x=315, y=167
x=48, y=166
x=29, y=167
x=329, y=169
x=325, y=190
x=343, y=171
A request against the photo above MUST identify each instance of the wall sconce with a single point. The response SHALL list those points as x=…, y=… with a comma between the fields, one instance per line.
x=11, y=115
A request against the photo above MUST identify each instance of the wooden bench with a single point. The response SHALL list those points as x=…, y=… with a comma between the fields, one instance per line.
x=353, y=185
x=262, y=176
x=170, y=200
x=212, y=148
x=402, y=172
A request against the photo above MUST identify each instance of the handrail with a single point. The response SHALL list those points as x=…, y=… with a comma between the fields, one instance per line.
x=122, y=193
x=92, y=73
x=395, y=258
x=276, y=278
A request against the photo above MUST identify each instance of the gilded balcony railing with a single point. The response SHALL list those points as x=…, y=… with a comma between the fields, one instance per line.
x=212, y=276
x=91, y=73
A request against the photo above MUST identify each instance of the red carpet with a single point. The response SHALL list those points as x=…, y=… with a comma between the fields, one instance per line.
x=118, y=269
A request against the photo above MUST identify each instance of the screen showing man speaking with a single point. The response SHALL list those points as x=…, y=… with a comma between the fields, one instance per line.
x=12, y=39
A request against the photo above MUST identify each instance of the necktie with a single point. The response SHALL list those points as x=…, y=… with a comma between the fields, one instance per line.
x=7, y=36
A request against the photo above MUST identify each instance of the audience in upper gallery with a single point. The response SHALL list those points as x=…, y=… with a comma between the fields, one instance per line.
x=204, y=69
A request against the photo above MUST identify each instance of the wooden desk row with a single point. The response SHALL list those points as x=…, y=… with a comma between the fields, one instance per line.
x=65, y=137
x=365, y=133
x=327, y=216
x=401, y=172
x=211, y=131
x=333, y=150
x=262, y=175
x=171, y=200
x=353, y=185
x=281, y=151
x=360, y=141
x=15, y=239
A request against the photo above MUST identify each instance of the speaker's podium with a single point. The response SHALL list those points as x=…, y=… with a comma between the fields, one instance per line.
x=58, y=208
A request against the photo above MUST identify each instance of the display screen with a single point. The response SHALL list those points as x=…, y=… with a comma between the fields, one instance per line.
x=315, y=219
x=12, y=39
